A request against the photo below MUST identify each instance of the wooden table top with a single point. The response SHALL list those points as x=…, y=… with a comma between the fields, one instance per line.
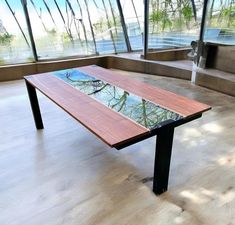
x=110, y=126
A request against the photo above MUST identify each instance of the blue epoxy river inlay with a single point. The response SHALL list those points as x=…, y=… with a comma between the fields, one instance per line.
x=132, y=106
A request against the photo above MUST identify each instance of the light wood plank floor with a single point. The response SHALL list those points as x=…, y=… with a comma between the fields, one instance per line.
x=64, y=175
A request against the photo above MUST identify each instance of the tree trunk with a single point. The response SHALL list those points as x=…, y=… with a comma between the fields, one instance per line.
x=74, y=20
x=136, y=15
x=153, y=11
x=194, y=9
x=82, y=23
x=158, y=8
x=230, y=12
x=114, y=19
x=39, y=15
x=68, y=31
x=49, y=11
x=211, y=11
x=91, y=27
x=109, y=26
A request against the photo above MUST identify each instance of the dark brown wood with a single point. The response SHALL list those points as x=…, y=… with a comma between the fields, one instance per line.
x=110, y=126
x=176, y=103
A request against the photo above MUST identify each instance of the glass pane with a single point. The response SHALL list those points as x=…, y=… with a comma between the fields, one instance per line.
x=220, y=25
x=134, y=107
x=59, y=28
x=133, y=11
x=174, y=23
x=107, y=26
x=14, y=39
x=72, y=28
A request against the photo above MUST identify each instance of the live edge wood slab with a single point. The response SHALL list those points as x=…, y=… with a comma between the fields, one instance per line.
x=110, y=126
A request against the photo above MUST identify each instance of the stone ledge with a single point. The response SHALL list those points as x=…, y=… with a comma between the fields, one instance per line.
x=13, y=72
x=216, y=80
x=169, y=54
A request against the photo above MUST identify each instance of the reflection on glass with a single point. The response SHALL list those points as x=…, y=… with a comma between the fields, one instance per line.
x=60, y=28
x=133, y=13
x=220, y=24
x=173, y=23
x=134, y=107
x=64, y=28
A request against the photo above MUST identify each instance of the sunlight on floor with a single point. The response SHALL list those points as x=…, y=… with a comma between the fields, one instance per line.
x=206, y=196
x=228, y=160
x=213, y=127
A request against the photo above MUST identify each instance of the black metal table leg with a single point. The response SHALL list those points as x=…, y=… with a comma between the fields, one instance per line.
x=162, y=159
x=34, y=105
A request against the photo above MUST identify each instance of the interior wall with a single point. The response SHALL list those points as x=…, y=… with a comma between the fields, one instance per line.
x=225, y=59
x=14, y=72
x=135, y=65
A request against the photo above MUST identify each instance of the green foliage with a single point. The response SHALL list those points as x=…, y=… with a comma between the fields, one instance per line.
x=229, y=12
x=6, y=39
x=30, y=59
x=166, y=23
x=225, y=19
x=112, y=23
x=171, y=15
x=178, y=23
x=187, y=13
x=1, y=62
x=65, y=37
x=100, y=25
x=225, y=12
x=157, y=16
x=161, y=18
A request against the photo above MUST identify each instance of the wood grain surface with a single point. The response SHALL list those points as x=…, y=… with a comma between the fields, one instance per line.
x=113, y=128
x=173, y=102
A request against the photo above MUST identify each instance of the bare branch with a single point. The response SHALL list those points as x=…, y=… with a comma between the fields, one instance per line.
x=49, y=11
x=68, y=31
x=39, y=15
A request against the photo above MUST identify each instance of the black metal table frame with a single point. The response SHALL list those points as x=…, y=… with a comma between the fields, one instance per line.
x=164, y=141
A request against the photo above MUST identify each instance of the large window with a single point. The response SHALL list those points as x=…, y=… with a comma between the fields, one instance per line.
x=71, y=27
x=107, y=26
x=14, y=39
x=220, y=25
x=59, y=28
x=173, y=23
x=133, y=11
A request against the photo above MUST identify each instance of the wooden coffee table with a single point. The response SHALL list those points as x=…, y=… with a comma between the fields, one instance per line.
x=120, y=111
